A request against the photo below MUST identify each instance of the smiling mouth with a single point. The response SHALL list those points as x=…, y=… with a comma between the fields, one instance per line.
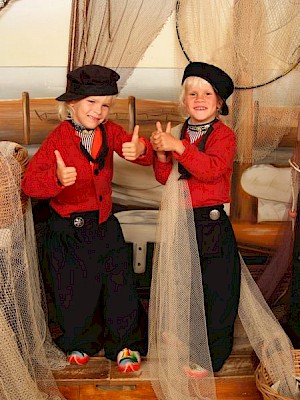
x=94, y=119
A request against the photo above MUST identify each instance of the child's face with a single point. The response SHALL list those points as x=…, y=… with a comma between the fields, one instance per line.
x=91, y=111
x=201, y=103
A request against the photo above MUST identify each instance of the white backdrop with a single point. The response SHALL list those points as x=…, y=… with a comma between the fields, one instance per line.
x=34, y=38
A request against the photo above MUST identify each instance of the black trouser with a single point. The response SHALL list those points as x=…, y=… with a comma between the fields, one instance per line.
x=95, y=299
x=220, y=266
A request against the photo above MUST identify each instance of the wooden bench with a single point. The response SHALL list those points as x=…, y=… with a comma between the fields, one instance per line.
x=28, y=121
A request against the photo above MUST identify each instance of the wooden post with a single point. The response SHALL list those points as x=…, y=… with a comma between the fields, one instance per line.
x=131, y=113
x=26, y=117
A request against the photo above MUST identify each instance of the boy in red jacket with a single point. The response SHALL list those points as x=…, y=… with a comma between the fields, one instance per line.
x=96, y=302
x=196, y=165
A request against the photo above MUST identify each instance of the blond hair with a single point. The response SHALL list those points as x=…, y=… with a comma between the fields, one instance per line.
x=64, y=110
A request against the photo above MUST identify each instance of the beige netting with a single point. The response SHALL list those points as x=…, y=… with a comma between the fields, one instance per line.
x=257, y=43
x=27, y=354
x=115, y=33
x=176, y=302
x=269, y=341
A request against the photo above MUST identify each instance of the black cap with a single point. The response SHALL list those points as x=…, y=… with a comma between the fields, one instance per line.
x=90, y=80
x=220, y=81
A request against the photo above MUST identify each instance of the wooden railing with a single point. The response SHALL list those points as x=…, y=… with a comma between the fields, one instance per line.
x=28, y=121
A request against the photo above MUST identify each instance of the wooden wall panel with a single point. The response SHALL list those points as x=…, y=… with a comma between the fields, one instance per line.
x=11, y=120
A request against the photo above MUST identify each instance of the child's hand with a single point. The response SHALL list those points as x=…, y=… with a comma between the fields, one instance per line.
x=165, y=141
x=158, y=137
x=66, y=175
x=134, y=149
x=154, y=140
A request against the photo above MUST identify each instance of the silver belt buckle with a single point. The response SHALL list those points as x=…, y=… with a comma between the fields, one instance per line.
x=78, y=222
x=214, y=215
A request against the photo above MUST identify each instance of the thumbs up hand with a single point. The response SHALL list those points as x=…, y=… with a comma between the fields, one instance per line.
x=162, y=140
x=156, y=138
x=135, y=148
x=165, y=141
x=66, y=175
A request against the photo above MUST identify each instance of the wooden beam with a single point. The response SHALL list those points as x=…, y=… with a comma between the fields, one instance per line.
x=26, y=118
x=131, y=113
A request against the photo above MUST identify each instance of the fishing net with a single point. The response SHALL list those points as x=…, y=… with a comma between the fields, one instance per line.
x=27, y=354
x=176, y=300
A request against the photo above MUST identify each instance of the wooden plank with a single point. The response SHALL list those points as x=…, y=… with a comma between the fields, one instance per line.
x=131, y=113
x=227, y=388
x=98, y=369
x=243, y=206
x=70, y=392
x=148, y=112
x=115, y=391
x=237, y=388
x=264, y=236
x=11, y=120
x=43, y=118
x=26, y=117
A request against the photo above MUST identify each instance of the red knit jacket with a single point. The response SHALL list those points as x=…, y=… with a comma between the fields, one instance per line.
x=90, y=192
x=211, y=170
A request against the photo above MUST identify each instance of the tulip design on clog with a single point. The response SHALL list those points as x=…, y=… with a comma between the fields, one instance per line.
x=128, y=360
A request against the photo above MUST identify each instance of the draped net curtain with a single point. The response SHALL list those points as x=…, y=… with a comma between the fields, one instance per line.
x=115, y=33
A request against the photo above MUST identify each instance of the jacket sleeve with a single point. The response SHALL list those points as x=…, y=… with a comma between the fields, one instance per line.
x=218, y=157
x=40, y=179
x=162, y=169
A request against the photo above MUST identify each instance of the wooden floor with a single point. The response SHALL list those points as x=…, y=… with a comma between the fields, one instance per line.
x=100, y=378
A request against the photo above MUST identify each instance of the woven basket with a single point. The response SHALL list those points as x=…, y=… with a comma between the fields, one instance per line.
x=264, y=382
